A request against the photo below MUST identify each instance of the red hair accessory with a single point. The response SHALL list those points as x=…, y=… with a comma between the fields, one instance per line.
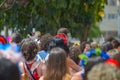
x=2, y=40
x=112, y=61
x=63, y=36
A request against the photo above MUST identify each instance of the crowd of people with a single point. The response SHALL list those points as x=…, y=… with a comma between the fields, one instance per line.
x=54, y=57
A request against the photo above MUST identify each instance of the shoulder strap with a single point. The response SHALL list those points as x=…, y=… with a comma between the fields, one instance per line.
x=35, y=66
x=28, y=71
x=42, y=78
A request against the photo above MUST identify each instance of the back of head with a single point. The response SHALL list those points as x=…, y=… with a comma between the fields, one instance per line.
x=63, y=36
x=57, y=66
x=92, y=62
x=16, y=38
x=106, y=46
x=8, y=70
x=110, y=39
x=63, y=30
x=29, y=49
x=74, y=52
x=58, y=42
x=45, y=40
x=57, y=57
x=104, y=72
x=94, y=45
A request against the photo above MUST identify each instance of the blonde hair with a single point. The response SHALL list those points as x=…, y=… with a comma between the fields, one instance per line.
x=94, y=45
x=104, y=72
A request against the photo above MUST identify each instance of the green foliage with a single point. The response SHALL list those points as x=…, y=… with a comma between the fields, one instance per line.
x=94, y=32
x=79, y=16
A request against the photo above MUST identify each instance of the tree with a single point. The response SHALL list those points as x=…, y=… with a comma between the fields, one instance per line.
x=79, y=16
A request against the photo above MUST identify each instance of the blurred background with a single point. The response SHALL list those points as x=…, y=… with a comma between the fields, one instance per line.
x=85, y=19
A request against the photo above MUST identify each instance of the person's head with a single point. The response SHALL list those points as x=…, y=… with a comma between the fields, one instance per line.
x=8, y=70
x=106, y=46
x=116, y=45
x=63, y=36
x=104, y=72
x=91, y=62
x=45, y=40
x=85, y=46
x=63, y=30
x=58, y=42
x=74, y=52
x=3, y=40
x=110, y=39
x=29, y=49
x=16, y=38
x=94, y=45
x=57, y=65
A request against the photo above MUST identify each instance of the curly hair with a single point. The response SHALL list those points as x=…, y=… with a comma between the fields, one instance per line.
x=45, y=40
x=110, y=72
x=74, y=52
x=29, y=49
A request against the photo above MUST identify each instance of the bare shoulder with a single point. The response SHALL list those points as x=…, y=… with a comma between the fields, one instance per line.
x=76, y=76
x=41, y=78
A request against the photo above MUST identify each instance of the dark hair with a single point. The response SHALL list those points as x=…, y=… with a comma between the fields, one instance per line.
x=91, y=62
x=45, y=40
x=57, y=65
x=116, y=43
x=58, y=42
x=29, y=49
x=83, y=45
x=106, y=46
x=74, y=52
x=16, y=37
x=8, y=70
x=110, y=39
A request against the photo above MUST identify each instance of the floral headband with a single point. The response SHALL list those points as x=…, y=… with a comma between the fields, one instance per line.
x=97, y=52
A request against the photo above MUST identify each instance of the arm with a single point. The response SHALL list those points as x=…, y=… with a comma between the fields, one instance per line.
x=73, y=65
